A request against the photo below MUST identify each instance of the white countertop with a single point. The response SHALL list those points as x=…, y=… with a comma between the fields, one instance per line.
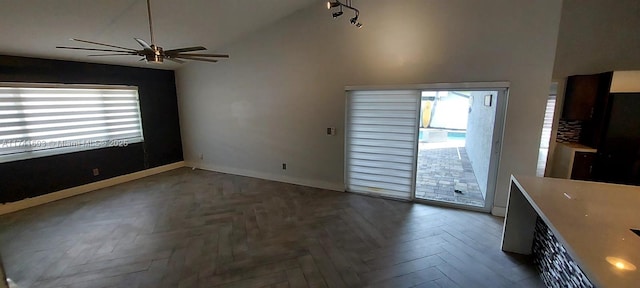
x=592, y=221
x=577, y=147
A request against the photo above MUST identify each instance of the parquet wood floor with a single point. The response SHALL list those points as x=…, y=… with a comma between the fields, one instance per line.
x=187, y=228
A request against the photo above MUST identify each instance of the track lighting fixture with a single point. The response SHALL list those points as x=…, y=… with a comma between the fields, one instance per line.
x=354, y=20
x=331, y=4
x=338, y=14
x=347, y=4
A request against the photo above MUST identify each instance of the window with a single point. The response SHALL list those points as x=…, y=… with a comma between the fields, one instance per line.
x=548, y=122
x=546, y=133
x=40, y=120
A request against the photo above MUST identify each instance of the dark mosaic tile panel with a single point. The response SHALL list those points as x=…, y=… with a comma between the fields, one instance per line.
x=556, y=266
x=569, y=131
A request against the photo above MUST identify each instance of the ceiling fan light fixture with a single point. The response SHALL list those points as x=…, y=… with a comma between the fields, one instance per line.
x=151, y=53
x=154, y=58
x=337, y=14
x=157, y=50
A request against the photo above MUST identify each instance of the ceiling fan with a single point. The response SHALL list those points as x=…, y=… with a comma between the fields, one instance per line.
x=151, y=53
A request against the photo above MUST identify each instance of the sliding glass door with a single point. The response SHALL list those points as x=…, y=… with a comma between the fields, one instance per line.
x=437, y=143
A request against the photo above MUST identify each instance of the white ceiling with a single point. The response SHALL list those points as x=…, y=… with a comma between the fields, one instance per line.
x=35, y=27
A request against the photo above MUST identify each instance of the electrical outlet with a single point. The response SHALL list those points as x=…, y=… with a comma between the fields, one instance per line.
x=201, y=156
x=284, y=166
x=96, y=171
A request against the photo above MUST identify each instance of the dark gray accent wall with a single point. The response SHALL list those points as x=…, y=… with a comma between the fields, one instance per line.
x=159, y=108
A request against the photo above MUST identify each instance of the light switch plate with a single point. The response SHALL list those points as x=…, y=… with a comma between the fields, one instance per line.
x=488, y=99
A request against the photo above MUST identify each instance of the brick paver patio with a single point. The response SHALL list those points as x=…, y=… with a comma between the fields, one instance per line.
x=441, y=171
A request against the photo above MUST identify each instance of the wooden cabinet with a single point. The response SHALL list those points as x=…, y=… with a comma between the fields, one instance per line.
x=582, y=167
x=573, y=161
x=584, y=95
x=585, y=99
x=580, y=97
x=607, y=111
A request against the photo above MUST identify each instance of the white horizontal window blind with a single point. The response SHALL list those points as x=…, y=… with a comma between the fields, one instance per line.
x=545, y=139
x=38, y=121
x=381, y=142
x=548, y=122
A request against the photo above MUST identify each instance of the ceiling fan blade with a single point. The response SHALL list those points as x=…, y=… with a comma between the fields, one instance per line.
x=174, y=60
x=143, y=44
x=96, y=43
x=115, y=54
x=185, y=49
x=91, y=49
x=206, y=55
x=196, y=58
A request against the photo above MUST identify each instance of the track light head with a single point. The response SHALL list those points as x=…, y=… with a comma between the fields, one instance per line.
x=346, y=5
x=331, y=4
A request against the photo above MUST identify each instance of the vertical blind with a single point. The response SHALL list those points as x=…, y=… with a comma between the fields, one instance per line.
x=381, y=142
x=65, y=119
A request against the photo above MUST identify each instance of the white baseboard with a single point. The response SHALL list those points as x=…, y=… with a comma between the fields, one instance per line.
x=268, y=176
x=499, y=211
x=73, y=191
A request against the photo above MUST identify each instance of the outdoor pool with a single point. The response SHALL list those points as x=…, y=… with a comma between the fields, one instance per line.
x=451, y=135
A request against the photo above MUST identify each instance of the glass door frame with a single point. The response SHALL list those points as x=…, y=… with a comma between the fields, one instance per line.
x=498, y=129
x=502, y=99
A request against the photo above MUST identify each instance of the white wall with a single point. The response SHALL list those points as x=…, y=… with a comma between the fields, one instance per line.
x=271, y=102
x=598, y=36
x=557, y=88
x=480, y=136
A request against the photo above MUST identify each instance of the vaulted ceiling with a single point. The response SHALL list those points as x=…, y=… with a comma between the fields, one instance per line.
x=35, y=27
